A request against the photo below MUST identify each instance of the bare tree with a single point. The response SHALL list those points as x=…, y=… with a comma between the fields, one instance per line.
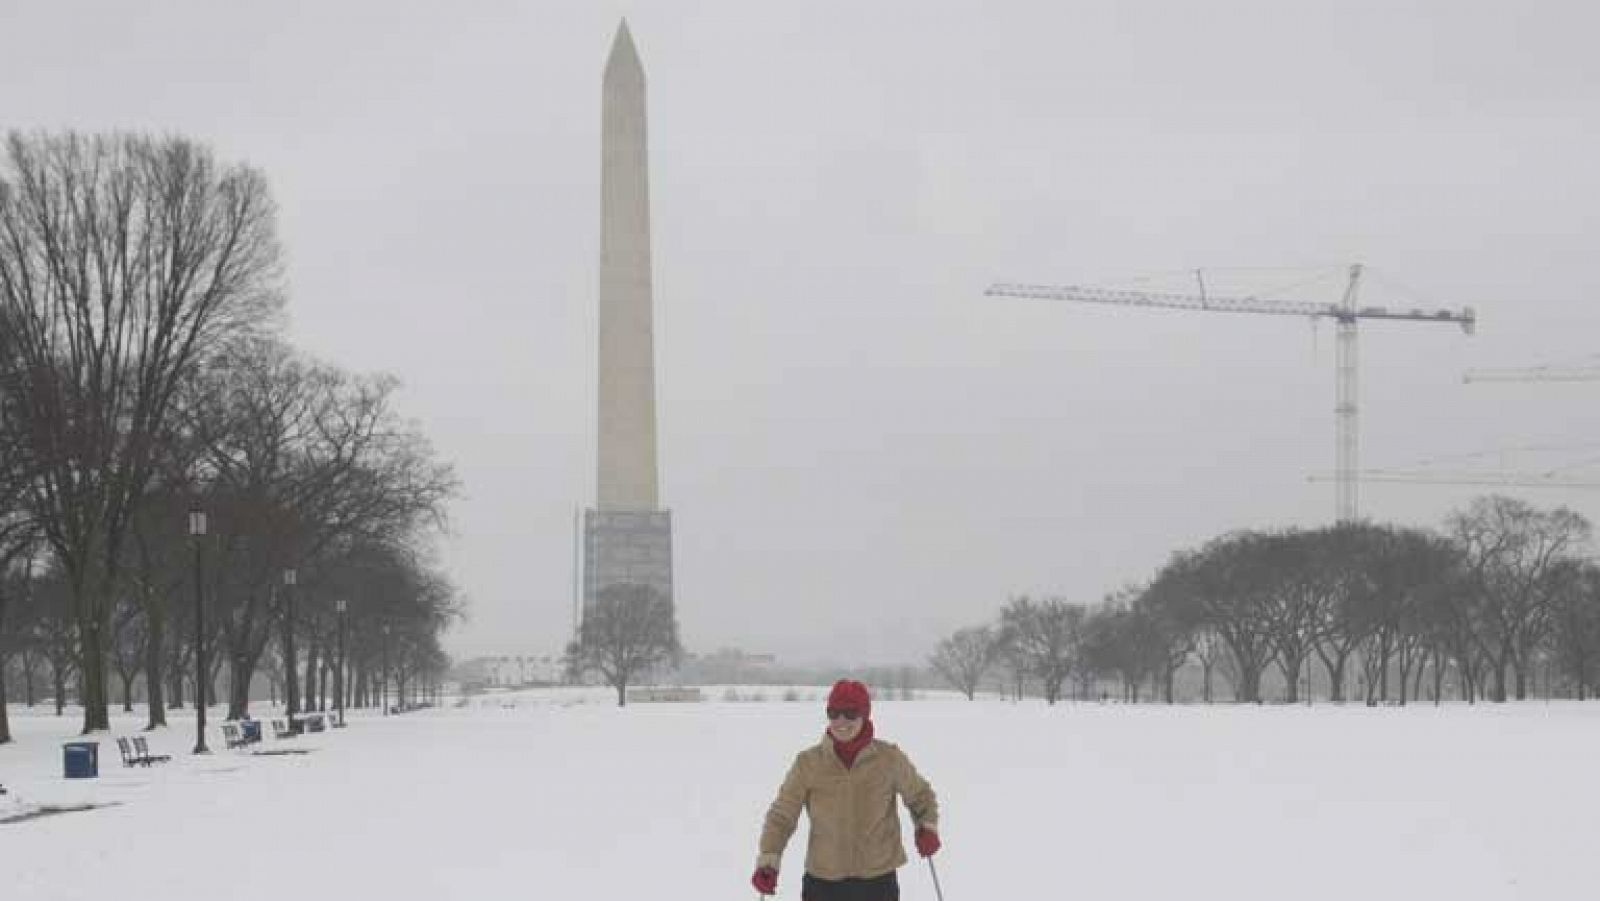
x=127, y=648
x=1511, y=552
x=1576, y=615
x=627, y=631
x=123, y=258
x=19, y=533
x=16, y=575
x=1234, y=595
x=965, y=658
x=302, y=462
x=156, y=575
x=1298, y=586
x=1046, y=635
x=1209, y=651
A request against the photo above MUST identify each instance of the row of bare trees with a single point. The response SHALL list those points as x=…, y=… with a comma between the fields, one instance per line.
x=1503, y=593
x=143, y=375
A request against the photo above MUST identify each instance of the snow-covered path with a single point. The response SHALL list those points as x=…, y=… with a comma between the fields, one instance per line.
x=547, y=799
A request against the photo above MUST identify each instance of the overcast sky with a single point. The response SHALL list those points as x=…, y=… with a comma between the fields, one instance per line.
x=862, y=453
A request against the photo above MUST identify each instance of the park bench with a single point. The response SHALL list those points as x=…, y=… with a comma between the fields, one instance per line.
x=144, y=752
x=130, y=757
x=280, y=729
x=136, y=753
x=233, y=736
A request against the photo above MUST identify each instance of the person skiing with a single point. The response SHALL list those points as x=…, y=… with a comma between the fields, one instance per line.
x=847, y=784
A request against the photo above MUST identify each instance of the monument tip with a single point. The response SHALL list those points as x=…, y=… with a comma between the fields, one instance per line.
x=622, y=46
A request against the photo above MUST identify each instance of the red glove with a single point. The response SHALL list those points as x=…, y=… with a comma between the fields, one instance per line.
x=765, y=880
x=927, y=842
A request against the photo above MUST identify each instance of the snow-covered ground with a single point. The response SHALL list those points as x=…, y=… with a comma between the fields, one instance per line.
x=556, y=794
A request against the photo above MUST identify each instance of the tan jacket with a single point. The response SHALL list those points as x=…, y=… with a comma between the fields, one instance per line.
x=855, y=828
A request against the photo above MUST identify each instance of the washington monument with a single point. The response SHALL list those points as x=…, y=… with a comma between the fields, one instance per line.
x=627, y=536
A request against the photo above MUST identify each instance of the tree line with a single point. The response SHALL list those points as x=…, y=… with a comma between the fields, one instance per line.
x=175, y=477
x=1504, y=594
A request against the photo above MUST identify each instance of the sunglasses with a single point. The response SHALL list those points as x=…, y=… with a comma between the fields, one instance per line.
x=841, y=713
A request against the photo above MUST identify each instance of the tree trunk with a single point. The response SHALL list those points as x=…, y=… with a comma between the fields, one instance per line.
x=241, y=670
x=1249, y=689
x=92, y=674
x=341, y=681
x=322, y=684
x=311, y=678
x=214, y=664
x=291, y=684
x=127, y=691
x=29, y=696
x=155, y=620
x=1335, y=666
x=1291, y=677
x=1466, y=678
x=5, y=722
x=176, y=685
x=60, y=677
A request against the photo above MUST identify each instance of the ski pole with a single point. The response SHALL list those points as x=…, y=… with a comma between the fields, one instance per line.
x=936, y=890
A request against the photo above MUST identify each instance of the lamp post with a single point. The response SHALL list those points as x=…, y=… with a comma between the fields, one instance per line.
x=197, y=531
x=291, y=702
x=338, y=674
x=384, y=695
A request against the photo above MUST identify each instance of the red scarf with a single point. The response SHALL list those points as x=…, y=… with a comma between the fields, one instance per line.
x=847, y=750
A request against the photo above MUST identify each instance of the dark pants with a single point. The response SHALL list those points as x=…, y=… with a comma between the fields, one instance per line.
x=879, y=888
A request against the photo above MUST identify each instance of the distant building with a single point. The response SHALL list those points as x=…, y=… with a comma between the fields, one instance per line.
x=509, y=671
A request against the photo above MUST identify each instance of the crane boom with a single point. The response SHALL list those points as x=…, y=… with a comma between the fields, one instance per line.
x=1345, y=313
x=1508, y=479
x=1466, y=318
x=1535, y=374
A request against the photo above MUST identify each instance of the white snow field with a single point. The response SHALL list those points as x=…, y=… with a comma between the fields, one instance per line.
x=558, y=795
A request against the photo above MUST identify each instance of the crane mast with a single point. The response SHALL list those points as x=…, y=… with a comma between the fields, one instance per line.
x=1345, y=313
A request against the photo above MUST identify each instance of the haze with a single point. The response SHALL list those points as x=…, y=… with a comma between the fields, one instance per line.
x=861, y=452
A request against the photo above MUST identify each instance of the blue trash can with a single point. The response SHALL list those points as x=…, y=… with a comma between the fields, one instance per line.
x=251, y=729
x=81, y=759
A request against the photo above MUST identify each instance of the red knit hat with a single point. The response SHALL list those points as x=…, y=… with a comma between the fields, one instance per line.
x=848, y=694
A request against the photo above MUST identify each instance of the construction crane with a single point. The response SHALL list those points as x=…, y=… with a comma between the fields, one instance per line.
x=1498, y=479
x=1587, y=373
x=1345, y=313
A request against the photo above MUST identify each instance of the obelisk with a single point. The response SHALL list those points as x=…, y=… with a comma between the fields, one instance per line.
x=627, y=439
x=628, y=536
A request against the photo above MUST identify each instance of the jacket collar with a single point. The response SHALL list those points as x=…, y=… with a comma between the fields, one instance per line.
x=826, y=747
